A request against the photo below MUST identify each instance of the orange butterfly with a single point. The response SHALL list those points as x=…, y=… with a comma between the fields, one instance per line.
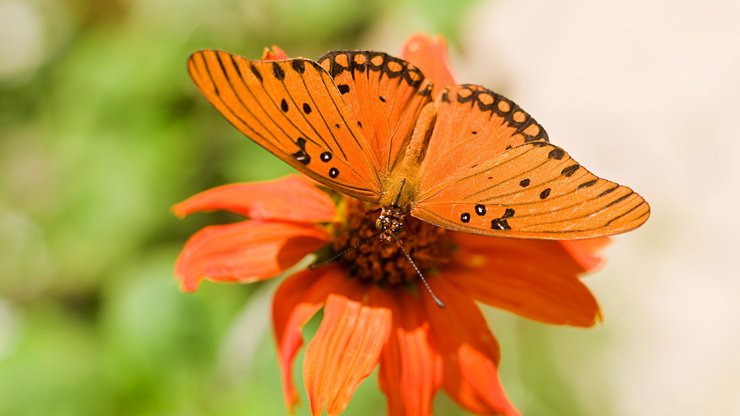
x=364, y=123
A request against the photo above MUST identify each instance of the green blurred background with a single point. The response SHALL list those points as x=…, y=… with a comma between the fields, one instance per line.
x=101, y=132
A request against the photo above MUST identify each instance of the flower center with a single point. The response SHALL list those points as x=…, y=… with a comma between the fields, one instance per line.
x=382, y=261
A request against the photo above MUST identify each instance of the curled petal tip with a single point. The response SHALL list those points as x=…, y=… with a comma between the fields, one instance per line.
x=187, y=283
x=179, y=211
x=188, y=287
x=599, y=318
x=273, y=53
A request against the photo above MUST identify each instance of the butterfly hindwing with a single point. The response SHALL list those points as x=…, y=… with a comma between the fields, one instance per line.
x=534, y=190
x=293, y=109
x=385, y=94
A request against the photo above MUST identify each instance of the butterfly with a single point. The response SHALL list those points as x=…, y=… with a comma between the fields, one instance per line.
x=365, y=124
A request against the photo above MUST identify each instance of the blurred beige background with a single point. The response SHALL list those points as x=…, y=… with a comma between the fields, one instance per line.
x=100, y=132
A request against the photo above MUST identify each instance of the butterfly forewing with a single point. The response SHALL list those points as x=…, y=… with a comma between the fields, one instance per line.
x=534, y=190
x=293, y=109
x=474, y=124
x=385, y=94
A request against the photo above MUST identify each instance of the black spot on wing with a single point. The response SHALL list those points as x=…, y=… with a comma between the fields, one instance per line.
x=509, y=213
x=277, y=71
x=500, y=224
x=298, y=65
x=255, y=71
x=570, y=170
x=556, y=153
x=587, y=184
x=301, y=155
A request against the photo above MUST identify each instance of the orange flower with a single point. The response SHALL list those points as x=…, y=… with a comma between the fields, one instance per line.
x=376, y=311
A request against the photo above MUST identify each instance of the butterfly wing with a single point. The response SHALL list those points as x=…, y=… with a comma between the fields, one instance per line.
x=489, y=169
x=384, y=94
x=293, y=109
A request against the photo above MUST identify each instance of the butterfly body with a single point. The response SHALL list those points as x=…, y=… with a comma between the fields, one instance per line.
x=401, y=189
x=365, y=124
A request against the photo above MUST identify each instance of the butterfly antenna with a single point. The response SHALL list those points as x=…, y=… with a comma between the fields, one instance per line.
x=423, y=280
x=333, y=258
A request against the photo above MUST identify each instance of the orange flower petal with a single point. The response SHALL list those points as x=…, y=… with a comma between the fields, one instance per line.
x=343, y=352
x=533, y=292
x=468, y=348
x=297, y=299
x=585, y=251
x=289, y=198
x=535, y=279
x=473, y=248
x=410, y=367
x=273, y=53
x=429, y=54
x=245, y=251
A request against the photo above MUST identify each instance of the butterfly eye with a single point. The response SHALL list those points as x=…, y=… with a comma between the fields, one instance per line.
x=396, y=226
x=379, y=224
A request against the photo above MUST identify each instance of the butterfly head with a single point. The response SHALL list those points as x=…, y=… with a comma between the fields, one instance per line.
x=389, y=223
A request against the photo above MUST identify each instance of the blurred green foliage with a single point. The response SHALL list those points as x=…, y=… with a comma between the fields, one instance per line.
x=101, y=133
